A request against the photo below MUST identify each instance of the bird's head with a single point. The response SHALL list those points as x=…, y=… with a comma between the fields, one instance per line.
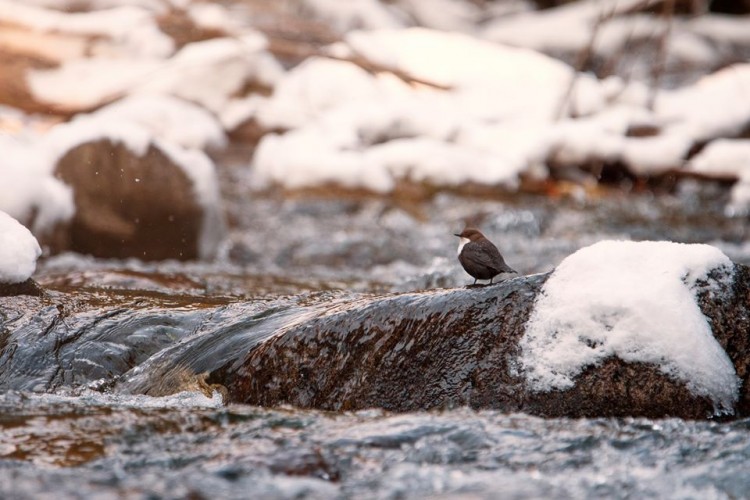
x=471, y=234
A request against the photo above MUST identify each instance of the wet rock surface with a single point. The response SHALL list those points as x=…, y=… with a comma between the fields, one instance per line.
x=453, y=348
x=436, y=349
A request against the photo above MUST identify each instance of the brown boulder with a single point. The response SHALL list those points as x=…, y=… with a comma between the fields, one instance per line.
x=447, y=348
x=129, y=205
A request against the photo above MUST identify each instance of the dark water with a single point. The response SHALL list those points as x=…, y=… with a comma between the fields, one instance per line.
x=188, y=446
x=88, y=438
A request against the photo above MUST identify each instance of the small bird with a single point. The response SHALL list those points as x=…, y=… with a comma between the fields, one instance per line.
x=480, y=257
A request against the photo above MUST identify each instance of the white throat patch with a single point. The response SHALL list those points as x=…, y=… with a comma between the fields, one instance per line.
x=461, y=244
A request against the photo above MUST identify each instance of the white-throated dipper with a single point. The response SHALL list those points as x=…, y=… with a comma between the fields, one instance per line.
x=479, y=256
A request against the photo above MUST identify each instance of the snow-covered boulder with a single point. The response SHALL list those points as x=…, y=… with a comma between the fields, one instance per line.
x=135, y=195
x=53, y=181
x=635, y=301
x=618, y=329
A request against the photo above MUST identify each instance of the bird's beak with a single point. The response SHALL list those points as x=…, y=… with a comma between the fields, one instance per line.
x=454, y=234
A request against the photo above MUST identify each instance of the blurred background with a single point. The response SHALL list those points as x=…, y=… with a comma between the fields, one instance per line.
x=247, y=147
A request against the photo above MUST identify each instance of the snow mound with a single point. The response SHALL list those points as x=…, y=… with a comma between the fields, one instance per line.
x=116, y=128
x=693, y=109
x=131, y=28
x=446, y=109
x=489, y=79
x=28, y=190
x=728, y=158
x=723, y=158
x=207, y=73
x=195, y=163
x=168, y=118
x=634, y=301
x=344, y=16
x=18, y=251
x=210, y=72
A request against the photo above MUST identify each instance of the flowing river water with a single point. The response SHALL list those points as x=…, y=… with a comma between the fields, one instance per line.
x=92, y=437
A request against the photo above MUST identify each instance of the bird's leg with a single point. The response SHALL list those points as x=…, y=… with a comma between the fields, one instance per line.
x=491, y=280
x=475, y=281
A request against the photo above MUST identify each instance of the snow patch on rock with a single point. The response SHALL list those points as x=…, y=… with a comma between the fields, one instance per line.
x=634, y=301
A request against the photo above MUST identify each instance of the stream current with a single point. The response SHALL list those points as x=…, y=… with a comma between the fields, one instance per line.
x=93, y=439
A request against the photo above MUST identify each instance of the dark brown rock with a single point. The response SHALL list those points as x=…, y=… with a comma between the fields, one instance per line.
x=449, y=348
x=728, y=308
x=28, y=287
x=129, y=205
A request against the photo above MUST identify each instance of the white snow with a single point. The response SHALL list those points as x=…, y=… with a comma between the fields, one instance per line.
x=210, y=72
x=67, y=136
x=716, y=105
x=722, y=29
x=136, y=119
x=608, y=29
x=448, y=15
x=723, y=158
x=565, y=28
x=239, y=111
x=200, y=170
x=168, y=118
x=482, y=113
x=116, y=128
x=89, y=82
x=354, y=14
x=133, y=29
x=728, y=158
x=157, y=6
x=635, y=301
x=520, y=80
x=213, y=16
x=28, y=191
x=18, y=251
x=207, y=73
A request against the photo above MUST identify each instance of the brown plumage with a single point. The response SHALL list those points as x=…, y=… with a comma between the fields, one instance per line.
x=479, y=256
